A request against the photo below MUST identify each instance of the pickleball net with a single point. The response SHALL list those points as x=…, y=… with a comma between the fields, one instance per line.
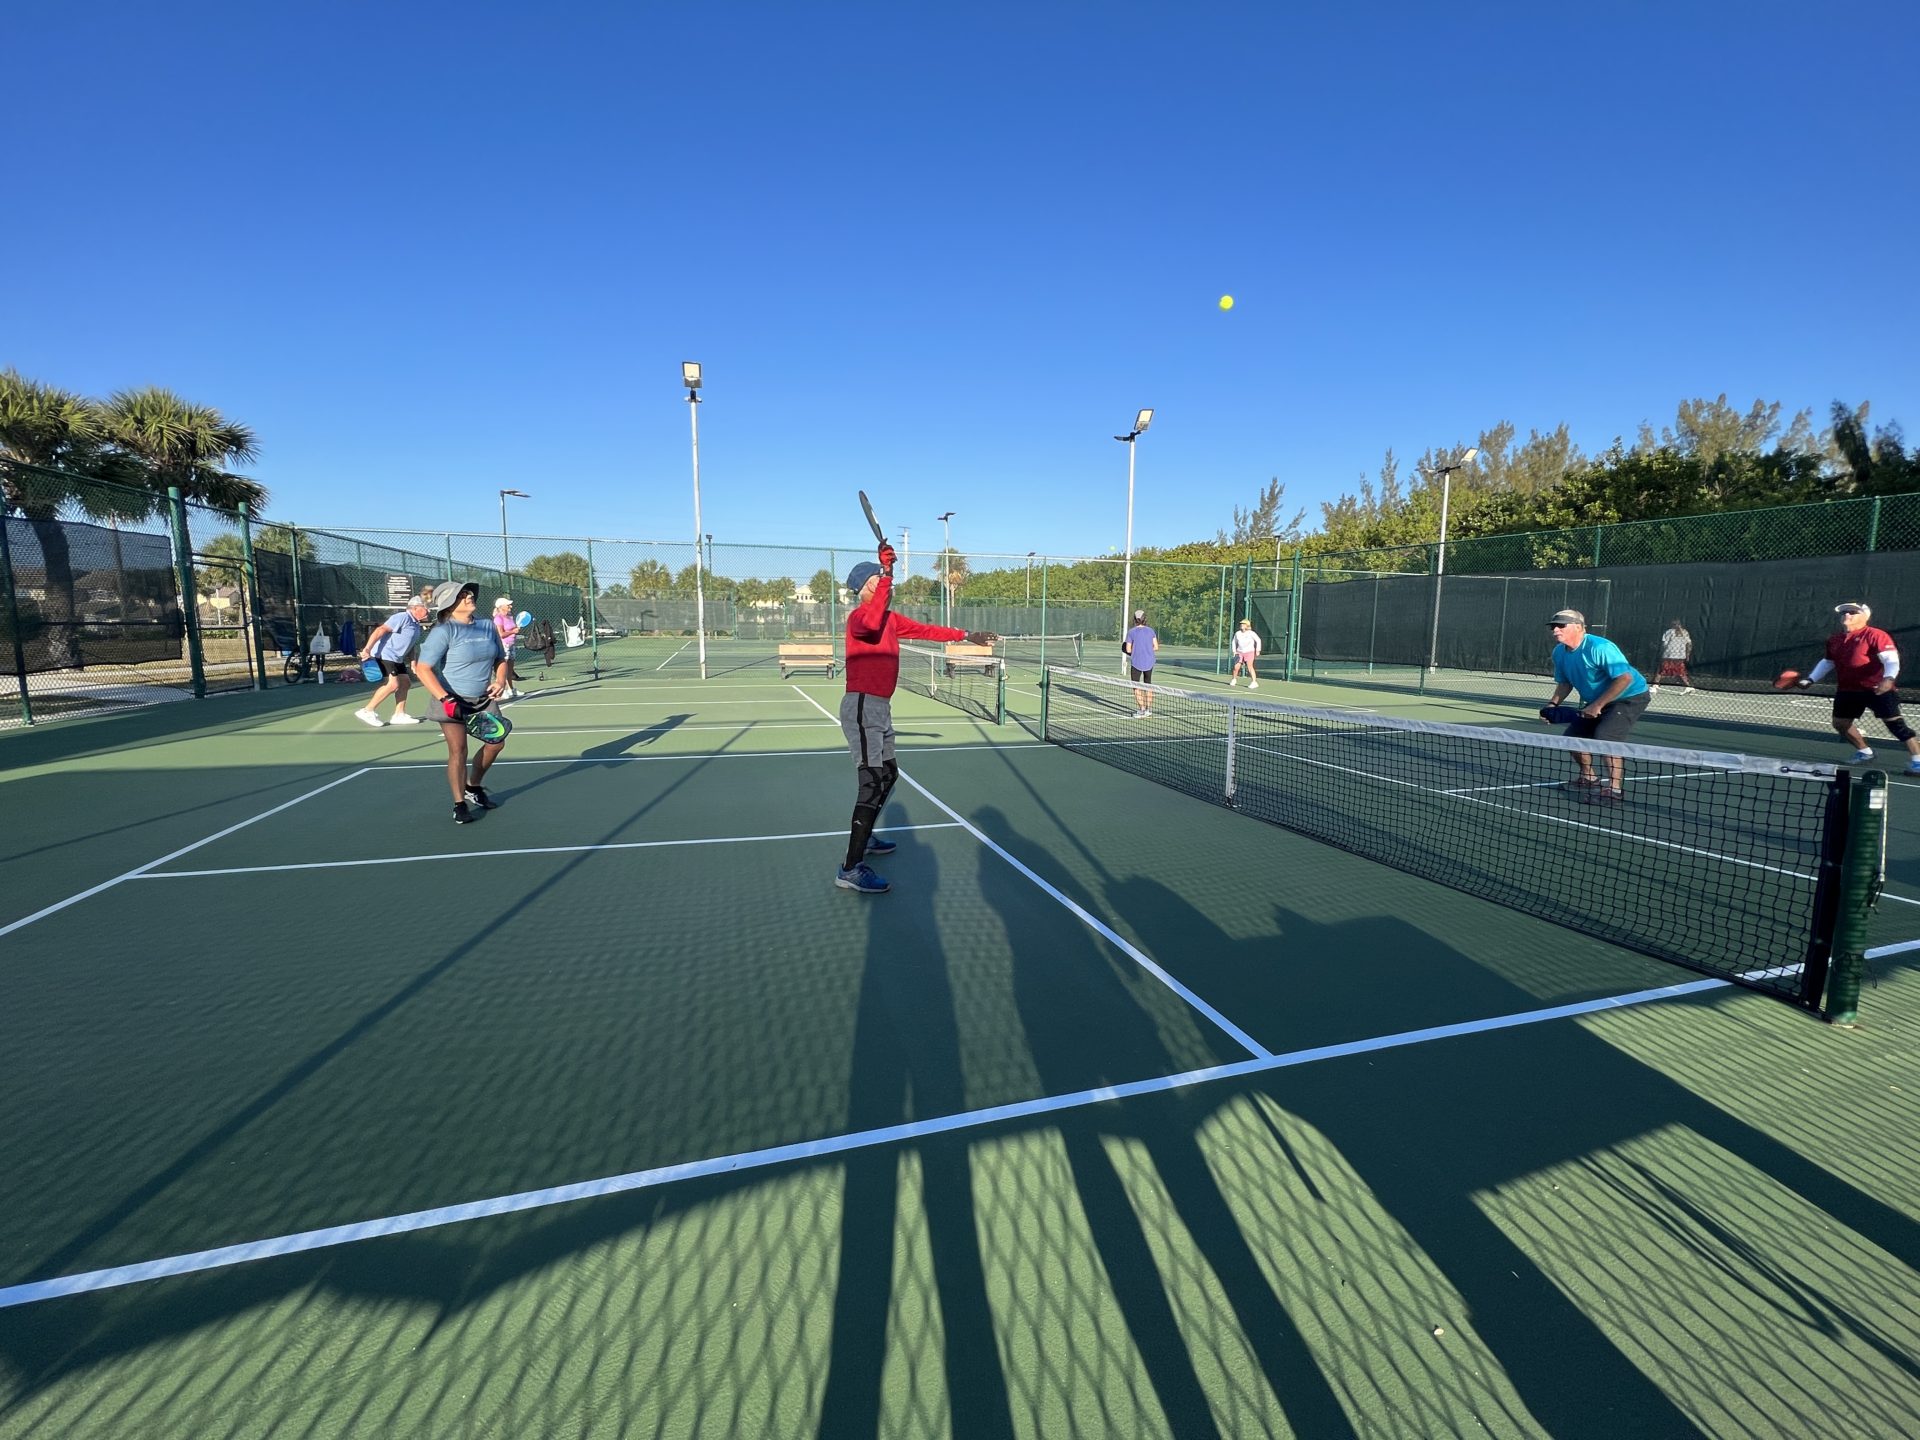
x=1724, y=863
x=976, y=684
x=1042, y=649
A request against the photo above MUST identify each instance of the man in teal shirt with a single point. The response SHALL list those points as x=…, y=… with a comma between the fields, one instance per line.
x=1612, y=695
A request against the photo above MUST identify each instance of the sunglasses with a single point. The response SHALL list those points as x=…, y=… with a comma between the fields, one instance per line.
x=1561, y=625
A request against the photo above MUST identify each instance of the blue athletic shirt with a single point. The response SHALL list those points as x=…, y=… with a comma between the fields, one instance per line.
x=403, y=632
x=1592, y=665
x=1143, y=640
x=463, y=656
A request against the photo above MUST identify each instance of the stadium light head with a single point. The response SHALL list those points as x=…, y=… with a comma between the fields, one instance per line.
x=1467, y=459
x=690, y=374
x=1141, y=421
x=521, y=493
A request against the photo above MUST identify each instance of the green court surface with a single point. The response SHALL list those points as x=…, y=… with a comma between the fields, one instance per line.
x=1121, y=1114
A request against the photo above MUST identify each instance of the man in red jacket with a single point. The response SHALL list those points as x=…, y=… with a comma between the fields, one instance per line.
x=1865, y=665
x=874, y=633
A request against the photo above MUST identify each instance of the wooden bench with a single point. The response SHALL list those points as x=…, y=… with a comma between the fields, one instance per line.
x=807, y=655
x=962, y=656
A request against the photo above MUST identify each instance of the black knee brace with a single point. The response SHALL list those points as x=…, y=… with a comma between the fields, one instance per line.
x=874, y=785
x=891, y=773
x=1899, y=729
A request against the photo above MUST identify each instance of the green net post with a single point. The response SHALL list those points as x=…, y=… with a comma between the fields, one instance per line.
x=13, y=623
x=183, y=572
x=1860, y=874
x=1000, y=693
x=1046, y=681
x=250, y=577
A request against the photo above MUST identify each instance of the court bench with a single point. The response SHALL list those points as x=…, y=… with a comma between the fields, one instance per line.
x=807, y=655
x=964, y=657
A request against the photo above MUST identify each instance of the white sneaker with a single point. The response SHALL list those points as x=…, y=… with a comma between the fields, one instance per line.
x=1253, y=685
x=1147, y=714
x=369, y=718
x=1233, y=683
x=400, y=717
x=1687, y=691
x=1653, y=689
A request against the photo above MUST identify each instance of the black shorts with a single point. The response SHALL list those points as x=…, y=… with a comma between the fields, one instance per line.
x=391, y=668
x=1852, y=704
x=1612, y=723
x=1141, y=677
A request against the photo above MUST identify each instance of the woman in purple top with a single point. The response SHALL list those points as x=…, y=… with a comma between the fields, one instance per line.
x=1139, y=648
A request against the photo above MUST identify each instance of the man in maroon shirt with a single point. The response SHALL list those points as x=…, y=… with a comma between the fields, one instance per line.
x=1864, y=663
x=874, y=634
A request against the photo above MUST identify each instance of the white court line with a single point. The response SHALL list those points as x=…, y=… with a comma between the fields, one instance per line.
x=1561, y=784
x=632, y=704
x=519, y=729
x=140, y=871
x=839, y=834
x=1903, y=899
x=87, y=1282
x=1139, y=957
x=671, y=658
x=836, y=752
x=1899, y=948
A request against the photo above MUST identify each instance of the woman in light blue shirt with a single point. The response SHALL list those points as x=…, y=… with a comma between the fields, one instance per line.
x=464, y=667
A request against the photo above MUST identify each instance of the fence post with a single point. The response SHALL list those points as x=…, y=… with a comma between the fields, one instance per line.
x=1043, y=637
x=449, y=540
x=1598, y=531
x=1296, y=609
x=251, y=595
x=593, y=611
x=189, y=605
x=1220, y=625
x=13, y=622
x=299, y=620
x=1873, y=525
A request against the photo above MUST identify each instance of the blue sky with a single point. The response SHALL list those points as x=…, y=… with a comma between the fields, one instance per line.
x=943, y=252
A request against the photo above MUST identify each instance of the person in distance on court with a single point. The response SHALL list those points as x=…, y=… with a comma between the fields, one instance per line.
x=391, y=648
x=1612, y=695
x=1676, y=648
x=464, y=667
x=874, y=633
x=1140, y=648
x=1246, y=650
x=1866, y=664
x=509, y=629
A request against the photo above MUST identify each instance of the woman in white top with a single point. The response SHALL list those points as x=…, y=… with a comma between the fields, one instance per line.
x=1246, y=649
x=1676, y=648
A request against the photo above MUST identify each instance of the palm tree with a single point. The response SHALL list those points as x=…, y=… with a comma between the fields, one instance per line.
x=51, y=442
x=185, y=445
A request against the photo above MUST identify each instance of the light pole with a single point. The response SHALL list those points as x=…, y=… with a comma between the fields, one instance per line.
x=690, y=377
x=946, y=569
x=1140, y=423
x=506, y=566
x=1440, y=556
x=1030, y=555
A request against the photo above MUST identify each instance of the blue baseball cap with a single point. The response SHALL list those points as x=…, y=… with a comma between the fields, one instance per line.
x=860, y=574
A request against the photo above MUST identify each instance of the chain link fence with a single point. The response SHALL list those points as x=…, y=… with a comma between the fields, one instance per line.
x=111, y=596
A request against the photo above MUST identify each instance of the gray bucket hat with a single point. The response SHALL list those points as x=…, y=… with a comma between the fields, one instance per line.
x=447, y=593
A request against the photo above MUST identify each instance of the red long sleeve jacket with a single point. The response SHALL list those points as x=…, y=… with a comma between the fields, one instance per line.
x=874, y=634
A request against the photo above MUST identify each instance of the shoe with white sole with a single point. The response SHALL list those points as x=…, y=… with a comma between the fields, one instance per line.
x=400, y=717
x=367, y=717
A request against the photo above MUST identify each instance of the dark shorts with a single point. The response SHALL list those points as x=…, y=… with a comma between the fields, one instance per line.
x=1612, y=723
x=391, y=668
x=1142, y=677
x=1852, y=704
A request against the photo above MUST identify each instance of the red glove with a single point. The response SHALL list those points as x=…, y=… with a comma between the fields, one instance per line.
x=887, y=557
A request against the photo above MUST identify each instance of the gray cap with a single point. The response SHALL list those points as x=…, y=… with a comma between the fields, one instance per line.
x=1567, y=617
x=1852, y=607
x=1139, y=614
x=447, y=593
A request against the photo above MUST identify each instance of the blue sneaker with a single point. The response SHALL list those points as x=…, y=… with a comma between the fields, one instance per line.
x=877, y=846
x=862, y=879
x=1860, y=757
x=1913, y=766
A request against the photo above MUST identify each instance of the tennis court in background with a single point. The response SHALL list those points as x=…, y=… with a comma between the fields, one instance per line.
x=1120, y=1114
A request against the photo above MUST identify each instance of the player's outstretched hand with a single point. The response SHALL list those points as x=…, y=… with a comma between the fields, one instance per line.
x=982, y=637
x=887, y=557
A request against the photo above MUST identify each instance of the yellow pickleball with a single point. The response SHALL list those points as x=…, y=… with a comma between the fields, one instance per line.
x=1226, y=302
